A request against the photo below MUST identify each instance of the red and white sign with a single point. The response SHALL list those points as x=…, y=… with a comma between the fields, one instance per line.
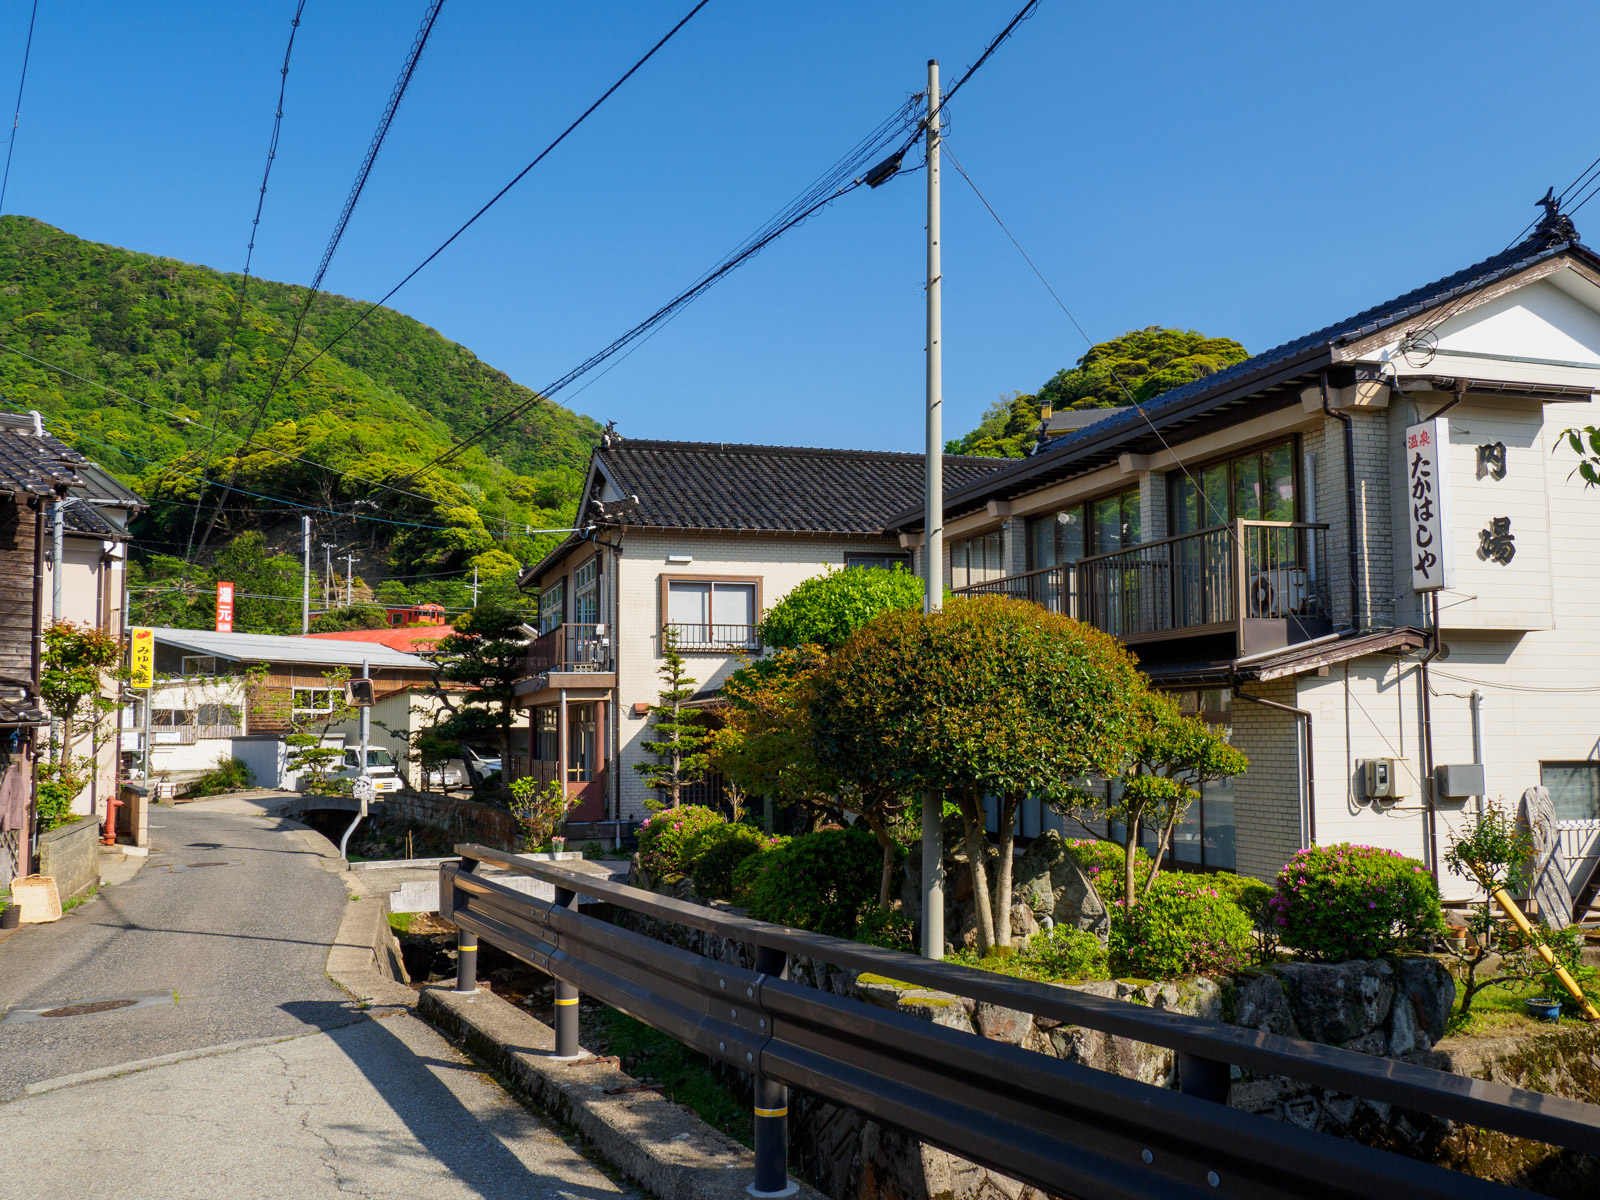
x=224, y=607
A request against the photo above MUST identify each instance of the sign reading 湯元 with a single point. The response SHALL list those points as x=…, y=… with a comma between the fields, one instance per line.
x=142, y=658
x=1427, y=450
x=224, y=607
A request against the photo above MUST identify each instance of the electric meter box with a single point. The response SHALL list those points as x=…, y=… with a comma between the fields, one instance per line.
x=1384, y=780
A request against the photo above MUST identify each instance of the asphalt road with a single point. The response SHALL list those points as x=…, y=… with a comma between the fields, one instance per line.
x=240, y=1070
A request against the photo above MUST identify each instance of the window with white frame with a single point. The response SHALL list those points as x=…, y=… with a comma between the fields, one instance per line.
x=586, y=593
x=315, y=702
x=199, y=664
x=552, y=600
x=711, y=614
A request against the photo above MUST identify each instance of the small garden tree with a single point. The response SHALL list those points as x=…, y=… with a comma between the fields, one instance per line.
x=680, y=735
x=766, y=747
x=307, y=754
x=1169, y=758
x=990, y=697
x=826, y=609
x=79, y=664
x=476, y=670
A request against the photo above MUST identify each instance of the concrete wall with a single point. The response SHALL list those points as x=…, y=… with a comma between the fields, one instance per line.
x=71, y=856
x=463, y=820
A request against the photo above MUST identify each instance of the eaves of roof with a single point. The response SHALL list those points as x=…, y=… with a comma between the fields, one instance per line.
x=1100, y=443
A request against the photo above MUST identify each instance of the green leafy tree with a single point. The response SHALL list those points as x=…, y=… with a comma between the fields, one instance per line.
x=539, y=811
x=1146, y=362
x=477, y=668
x=989, y=697
x=1009, y=429
x=79, y=666
x=825, y=609
x=1169, y=758
x=1585, y=443
x=680, y=735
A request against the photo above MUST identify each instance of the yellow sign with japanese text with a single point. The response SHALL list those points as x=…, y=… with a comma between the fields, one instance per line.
x=143, y=659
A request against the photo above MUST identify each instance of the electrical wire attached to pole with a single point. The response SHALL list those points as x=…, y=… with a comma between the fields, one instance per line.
x=16, y=119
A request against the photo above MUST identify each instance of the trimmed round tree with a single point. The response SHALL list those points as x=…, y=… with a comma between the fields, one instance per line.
x=826, y=609
x=989, y=697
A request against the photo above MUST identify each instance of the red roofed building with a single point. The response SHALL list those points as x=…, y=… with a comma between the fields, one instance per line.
x=411, y=639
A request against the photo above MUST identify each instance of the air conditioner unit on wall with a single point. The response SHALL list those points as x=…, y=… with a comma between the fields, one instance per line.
x=1279, y=592
x=1384, y=779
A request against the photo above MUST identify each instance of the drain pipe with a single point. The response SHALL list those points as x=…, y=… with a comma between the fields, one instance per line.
x=1350, y=500
x=1430, y=814
x=1476, y=701
x=1309, y=791
x=361, y=769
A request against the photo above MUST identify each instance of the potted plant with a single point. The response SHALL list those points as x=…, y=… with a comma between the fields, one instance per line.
x=1456, y=936
x=1543, y=1008
x=558, y=843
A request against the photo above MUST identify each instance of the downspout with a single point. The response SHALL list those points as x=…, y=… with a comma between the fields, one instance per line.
x=38, y=649
x=1476, y=700
x=1350, y=500
x=1430, y=826
x=1303, y=716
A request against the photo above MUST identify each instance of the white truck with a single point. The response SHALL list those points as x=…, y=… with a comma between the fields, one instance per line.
x=380, y=769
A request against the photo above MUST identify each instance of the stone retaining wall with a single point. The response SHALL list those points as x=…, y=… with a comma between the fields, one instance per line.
x=71, y=856
x=462, y=820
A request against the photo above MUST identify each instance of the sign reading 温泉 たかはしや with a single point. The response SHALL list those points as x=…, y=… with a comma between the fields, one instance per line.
x=1427, y=451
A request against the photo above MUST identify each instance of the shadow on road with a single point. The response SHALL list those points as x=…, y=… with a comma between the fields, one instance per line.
x=445, y=1128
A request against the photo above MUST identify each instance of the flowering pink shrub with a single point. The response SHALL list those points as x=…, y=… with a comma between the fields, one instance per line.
x=1102, y=862
x=1184, y=925
x=666, y=839
x=1342, y=902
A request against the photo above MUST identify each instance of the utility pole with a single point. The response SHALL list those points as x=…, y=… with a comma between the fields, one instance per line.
x=57, y=529
x=474, y=587
x=305, y=581
x=349, y=574
x=327, y=574
x=933, y=526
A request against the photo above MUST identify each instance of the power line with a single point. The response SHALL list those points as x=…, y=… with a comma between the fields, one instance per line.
x=493, y=200
x=16, y=120
x=848, y=173
x=362, y=173
x=249, y=255
x=1220, y=519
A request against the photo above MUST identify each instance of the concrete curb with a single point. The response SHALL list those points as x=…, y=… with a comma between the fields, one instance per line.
x=365, y=958
x=659, y=1145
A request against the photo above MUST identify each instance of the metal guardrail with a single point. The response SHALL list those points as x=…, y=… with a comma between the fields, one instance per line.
x=1068, y=1129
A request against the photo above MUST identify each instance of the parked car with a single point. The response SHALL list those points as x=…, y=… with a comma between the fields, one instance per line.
x=479, y=765
x=445, y=777
x=380, y=769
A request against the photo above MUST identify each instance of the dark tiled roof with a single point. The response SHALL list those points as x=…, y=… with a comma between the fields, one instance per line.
x=1182, y=402
x=15, y=710
x=39, y=465
x=712, y=485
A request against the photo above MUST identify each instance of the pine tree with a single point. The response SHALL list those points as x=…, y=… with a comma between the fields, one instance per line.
x=679, y=746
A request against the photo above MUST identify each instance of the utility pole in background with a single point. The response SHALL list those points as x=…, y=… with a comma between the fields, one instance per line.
x=327, y=574
x=349, y=574
x=933, y=526
x=474, y=587
x=305, y=581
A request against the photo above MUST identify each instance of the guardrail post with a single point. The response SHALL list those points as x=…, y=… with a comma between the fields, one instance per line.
x=771, y=1109
x=466, y=961
x=566, y=1017
x=1205, y=1078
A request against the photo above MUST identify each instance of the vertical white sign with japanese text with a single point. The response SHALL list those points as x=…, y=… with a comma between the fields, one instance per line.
x=1427, y=450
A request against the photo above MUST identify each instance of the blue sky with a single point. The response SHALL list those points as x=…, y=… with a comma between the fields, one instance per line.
x=1250, y=170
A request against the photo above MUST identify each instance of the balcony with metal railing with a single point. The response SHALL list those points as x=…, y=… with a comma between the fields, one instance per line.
x=1260, y=583
x=712, y=638
x=572, y=649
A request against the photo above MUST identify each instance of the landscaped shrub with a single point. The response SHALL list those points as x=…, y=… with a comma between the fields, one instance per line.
x=717, y=851
x=1184, y=925
x=1342, y=902
x=1251, y=895
x=819, y=881
x=665, y=839
x=886, y=928
x=1049, y=956
x=752, y=868
x=1102, y=863
x=229, y=775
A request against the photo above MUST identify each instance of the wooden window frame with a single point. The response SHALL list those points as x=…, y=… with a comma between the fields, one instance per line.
x=667, y=579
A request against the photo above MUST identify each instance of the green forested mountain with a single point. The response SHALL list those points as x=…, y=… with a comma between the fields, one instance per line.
x=1133, y=368
x=379, y=405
